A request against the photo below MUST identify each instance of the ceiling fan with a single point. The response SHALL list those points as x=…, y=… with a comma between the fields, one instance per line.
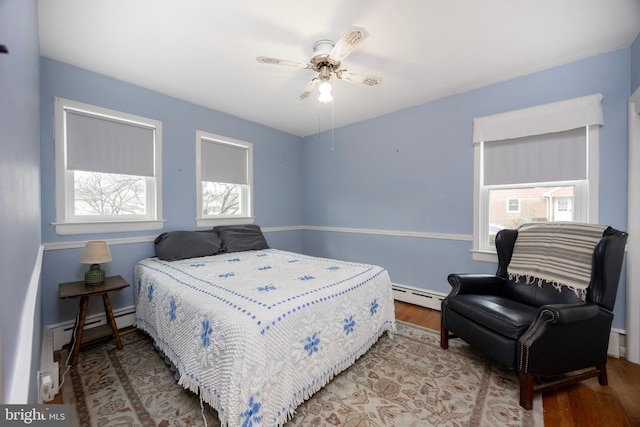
x=326, y=60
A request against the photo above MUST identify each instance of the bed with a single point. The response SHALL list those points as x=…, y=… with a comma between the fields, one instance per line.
x=257, y=331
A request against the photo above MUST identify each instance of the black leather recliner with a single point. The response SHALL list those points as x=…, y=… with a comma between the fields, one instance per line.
x=536, y=330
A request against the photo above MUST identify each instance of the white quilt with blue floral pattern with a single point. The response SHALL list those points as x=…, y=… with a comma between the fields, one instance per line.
x=256, y=333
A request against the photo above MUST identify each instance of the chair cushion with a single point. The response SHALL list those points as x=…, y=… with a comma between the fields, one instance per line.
x=505, y=316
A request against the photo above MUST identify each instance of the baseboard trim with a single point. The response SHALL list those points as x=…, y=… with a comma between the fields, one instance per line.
x=617, y=343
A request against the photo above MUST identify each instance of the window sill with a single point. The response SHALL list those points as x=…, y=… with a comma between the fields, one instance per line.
x=68, y=228
x=484, y=256
x=212, y=222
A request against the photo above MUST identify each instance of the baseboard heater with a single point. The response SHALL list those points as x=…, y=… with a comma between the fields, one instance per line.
x=428, y=299
x=62, y=332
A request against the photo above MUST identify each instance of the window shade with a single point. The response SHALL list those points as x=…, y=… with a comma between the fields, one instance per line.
x=223, y=162
x=99, y=144
x=560, y=156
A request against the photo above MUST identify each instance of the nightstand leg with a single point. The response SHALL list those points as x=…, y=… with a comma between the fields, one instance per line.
x=111, y=319
x=75, y=342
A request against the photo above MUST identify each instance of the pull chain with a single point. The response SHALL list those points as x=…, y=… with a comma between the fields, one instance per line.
x=318, y=120
x=332, y=123
x=332, y=119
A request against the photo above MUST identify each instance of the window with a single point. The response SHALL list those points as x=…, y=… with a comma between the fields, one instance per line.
x=541, y=163
x=563, y=204
x=108, y=176
x=224, y=176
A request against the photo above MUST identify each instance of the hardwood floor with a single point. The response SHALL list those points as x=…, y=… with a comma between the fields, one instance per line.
x=584, y=404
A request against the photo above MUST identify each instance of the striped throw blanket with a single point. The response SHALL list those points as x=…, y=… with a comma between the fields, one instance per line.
x=560, y=253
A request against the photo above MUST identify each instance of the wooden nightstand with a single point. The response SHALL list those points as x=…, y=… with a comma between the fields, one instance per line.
x=83, y=291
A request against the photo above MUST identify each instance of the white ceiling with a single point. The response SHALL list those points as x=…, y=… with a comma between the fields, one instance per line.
x=203, y=51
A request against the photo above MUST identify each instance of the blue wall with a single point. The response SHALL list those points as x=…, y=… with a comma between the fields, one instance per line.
x=412, y=171
x=277, y=176
x=406, y=178
x=19, y=182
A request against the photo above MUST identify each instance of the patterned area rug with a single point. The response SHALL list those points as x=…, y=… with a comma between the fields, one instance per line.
x=407, y=380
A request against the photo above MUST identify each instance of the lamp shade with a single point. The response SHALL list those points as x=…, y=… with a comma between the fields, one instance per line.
x=95, y=252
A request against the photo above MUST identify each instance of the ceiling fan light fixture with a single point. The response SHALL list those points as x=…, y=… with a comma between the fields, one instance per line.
x=325, y=92
x=327, y=60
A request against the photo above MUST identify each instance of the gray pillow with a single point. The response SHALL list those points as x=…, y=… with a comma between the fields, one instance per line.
x=238, y=238
x=176, y=245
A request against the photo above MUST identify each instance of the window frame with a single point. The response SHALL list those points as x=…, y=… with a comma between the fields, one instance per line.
x=66, y=221
x=247, y=196
x=586, y=195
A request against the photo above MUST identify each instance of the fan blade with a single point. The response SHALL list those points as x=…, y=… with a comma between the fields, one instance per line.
x=308, y=90
x=275, y=61
x=359, y=78
x=348, y=42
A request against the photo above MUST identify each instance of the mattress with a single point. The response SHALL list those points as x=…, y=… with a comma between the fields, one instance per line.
x=256, y=333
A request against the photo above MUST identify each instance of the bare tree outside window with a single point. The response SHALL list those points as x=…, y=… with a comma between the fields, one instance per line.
x=109, y=194
x=220, y=199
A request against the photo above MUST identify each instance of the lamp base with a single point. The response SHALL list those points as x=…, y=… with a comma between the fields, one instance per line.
x=94, y=275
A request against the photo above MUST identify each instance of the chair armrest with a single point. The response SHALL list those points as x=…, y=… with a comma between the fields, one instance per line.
x=579, y=332
x=562, y=314
x=478, y=284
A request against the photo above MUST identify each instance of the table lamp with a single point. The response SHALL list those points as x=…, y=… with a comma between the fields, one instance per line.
x=95, y=252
